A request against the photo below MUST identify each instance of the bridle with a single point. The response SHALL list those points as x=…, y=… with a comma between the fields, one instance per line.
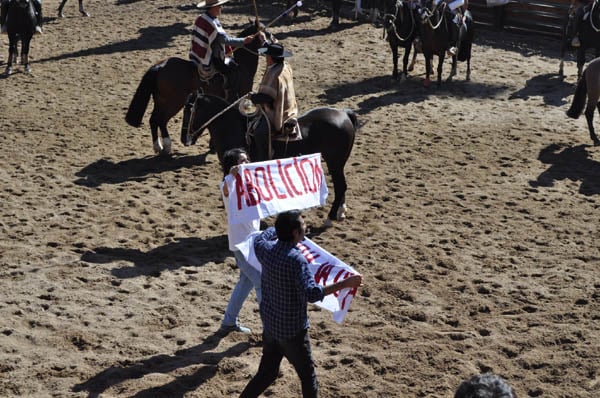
x=392, y=19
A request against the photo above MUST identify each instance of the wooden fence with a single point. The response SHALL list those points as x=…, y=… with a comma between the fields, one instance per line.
x=539, y=16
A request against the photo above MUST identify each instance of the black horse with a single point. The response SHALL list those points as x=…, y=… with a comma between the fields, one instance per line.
x=400, y=22
x=465, y=32
x=335, y=10
x=589, y=36
x=20, y=25
x=170, y=82
x=435, y=34
x=329, y=131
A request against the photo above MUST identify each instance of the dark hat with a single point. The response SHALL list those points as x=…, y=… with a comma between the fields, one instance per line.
x=275, y=50
x=211, y=3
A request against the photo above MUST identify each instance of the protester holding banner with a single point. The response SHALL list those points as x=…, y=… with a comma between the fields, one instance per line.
x=236, y=233
x=287, y=286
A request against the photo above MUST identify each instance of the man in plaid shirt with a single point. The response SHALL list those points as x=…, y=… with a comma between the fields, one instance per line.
x=287, y=287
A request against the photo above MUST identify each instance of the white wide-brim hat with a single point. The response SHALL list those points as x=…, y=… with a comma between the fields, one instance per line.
x=211, y=3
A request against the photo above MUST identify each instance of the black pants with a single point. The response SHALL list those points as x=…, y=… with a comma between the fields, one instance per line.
x=298, y=353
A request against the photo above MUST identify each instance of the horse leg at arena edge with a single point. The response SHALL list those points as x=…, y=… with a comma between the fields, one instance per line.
x=25, y=42
x=589, y=117
x=453, y=69
x=440, y=68
x=394, y=61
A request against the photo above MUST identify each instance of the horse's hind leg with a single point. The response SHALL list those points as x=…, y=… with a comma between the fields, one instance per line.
x=82, y=9
x=165, y=138
x=25, y=54
x=338, y=207
x=468, y=76
x=589, y=116
x=453, y=69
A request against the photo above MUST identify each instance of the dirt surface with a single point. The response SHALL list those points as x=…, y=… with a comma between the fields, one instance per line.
x=473, y=216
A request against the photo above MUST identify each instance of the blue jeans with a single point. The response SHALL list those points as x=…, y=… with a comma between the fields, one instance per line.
x=298, y=353
x=249, y=278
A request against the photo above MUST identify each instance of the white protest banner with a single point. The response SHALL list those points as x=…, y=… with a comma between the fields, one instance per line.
x=325, y=268
x=264, y=189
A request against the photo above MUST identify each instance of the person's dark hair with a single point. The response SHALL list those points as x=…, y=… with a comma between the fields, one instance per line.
x=286, y=223
x=231, y=158
x=485, y=386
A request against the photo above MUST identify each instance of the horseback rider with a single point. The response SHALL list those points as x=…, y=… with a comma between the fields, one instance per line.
x=211, y=50
x=37, y=4
x=276, y=97
x=581, y=8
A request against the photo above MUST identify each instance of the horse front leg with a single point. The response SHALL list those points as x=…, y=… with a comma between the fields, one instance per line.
x=440, y=68
x=166, y=139
x=25, y=54
x=395, y=61
x=468, y=76
x=405, y=63
x=428, y=71
x=411, y=67
x=11, y=57
x=156, y=144
x=452, y=70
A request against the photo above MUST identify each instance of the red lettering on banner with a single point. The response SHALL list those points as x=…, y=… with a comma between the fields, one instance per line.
x=251, y=195
x=285, y=183
x=302, y=176
x=290, y=180
x=351, y=293
x=322, y=273
x=266, y=189
x=239, y=190
x=303, y=162
x=272, y=184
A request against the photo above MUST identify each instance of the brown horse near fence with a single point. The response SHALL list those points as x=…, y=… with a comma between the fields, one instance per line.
x=171, y=81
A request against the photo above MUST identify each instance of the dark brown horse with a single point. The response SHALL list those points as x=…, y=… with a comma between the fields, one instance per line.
x=326, y=130
x=20, y=25
x=435, y=35
x=171, y=81
x=400, y=22
x=465, y=33
x=588, y=87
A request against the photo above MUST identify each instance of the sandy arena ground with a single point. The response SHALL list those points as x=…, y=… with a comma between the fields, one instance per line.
x=473, y=216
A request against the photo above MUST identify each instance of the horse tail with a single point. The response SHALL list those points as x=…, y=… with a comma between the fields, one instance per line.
x=579, y=98
x=140, y=100
x=353, y=118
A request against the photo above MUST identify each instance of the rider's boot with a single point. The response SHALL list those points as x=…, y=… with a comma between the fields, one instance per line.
x=187, y=113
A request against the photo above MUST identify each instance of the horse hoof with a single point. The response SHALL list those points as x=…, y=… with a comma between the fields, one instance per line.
x=27, y=69
x=341, y=213
x=84, y=12
x=427, y=83
x=8, y=71
x=327, y=223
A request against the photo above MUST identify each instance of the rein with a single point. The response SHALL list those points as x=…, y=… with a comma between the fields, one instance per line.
x=194, y=134
x=393, y=19
x=430, y=14
x=594, y=4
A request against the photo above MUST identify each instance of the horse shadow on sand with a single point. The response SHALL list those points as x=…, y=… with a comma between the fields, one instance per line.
x=571, y=163
x=151, y=38
x=202, y=354
x=550, y=86
x=384, y=91
x=106, y=172
x=181, y=252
